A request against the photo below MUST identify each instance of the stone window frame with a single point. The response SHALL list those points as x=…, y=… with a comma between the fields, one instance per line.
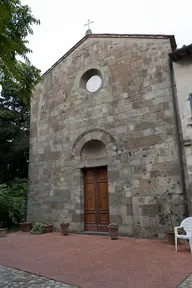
x=87, y=75
x=104, y=76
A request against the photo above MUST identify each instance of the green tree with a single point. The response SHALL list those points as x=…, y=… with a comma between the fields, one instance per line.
x=14, y=125
x=17, y=79
x=16, y=23
x=13, y=202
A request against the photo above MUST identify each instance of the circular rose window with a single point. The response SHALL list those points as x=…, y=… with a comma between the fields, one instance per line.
x=94, y=83
x=91, y=80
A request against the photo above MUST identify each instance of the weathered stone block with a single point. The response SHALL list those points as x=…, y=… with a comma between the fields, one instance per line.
x=136, y=183
x=116, y=219
x=113, y=174
x=77, y=217
x=151, y=210
x=129, y=209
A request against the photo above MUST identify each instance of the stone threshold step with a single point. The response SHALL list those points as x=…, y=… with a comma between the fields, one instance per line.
x=95, y=233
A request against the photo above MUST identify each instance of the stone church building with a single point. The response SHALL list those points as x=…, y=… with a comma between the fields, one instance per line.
x=104, y=137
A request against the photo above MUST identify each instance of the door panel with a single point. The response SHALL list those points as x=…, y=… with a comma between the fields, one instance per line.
x=96, y=200
x=89, y=174
x=102, y=173
x=90, y=199
x=103, y=196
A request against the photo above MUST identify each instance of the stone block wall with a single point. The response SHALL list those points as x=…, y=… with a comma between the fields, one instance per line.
x=132, y=111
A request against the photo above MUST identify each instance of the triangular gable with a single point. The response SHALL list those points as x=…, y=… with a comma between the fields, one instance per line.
x=141, y=36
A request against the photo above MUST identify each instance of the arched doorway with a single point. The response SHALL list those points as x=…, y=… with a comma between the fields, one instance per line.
x=96, y=198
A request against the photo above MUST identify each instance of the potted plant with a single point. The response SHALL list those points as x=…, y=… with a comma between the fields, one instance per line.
x=48, y=228
x=25, y=226
x=38, y=228
x=64, y=228
x=3, y=232
x=113, y=231
x=165, y=203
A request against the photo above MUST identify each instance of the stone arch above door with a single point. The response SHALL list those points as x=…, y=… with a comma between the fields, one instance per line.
x=93, y=149
x=95, y=134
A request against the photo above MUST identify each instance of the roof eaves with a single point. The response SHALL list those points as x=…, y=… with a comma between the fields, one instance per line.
x=181, y=53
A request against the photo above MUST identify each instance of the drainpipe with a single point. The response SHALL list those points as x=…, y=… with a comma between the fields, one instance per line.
x=179, y=140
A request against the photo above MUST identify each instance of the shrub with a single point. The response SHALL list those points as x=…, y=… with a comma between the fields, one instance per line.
x=38, y=228
x=4, y=207
x=113, y=225
x=13, y=202
x=64, y=223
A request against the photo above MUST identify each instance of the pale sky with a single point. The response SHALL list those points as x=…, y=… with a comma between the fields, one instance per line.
x=62, y=23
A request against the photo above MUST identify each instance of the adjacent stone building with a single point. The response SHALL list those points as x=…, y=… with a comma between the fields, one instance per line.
x=104, y=137
x=182, y=73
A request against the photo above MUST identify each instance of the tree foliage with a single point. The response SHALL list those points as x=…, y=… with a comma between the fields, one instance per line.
x=15, y=25
x=17, y=80
x=14, y=127
x=13, y=202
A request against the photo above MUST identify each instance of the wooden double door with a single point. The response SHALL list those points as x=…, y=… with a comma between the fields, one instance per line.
x=96, y=199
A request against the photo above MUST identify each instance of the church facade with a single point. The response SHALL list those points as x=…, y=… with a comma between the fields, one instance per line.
x=104, y=139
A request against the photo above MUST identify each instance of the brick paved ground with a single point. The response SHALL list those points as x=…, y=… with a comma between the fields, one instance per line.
x=13, y=278
x=95, y=261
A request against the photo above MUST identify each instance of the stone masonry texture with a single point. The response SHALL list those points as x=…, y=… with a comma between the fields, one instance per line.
x=187, y=283
x=132, y=114
x=13, y=278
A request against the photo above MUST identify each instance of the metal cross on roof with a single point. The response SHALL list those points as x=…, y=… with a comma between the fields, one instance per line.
x=88, y=24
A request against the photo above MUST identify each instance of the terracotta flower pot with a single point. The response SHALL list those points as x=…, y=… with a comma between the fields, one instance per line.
x=64, y=228
x=113, y=232
x=48, y=228
x=171, y=238
x=25, y=226
x=3, y=232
